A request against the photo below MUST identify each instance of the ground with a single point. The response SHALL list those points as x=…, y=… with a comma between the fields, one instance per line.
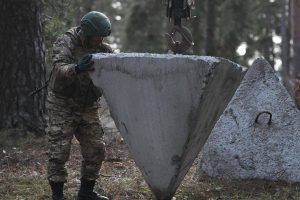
x=23, y=159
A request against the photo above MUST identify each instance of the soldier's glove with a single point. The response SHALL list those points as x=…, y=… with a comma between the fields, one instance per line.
x=85, y=64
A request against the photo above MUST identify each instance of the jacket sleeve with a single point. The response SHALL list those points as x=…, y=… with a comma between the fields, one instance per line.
x=63, y=60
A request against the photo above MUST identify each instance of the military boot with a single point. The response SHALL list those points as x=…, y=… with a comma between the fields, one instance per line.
x=86, y=191
x=57, y=190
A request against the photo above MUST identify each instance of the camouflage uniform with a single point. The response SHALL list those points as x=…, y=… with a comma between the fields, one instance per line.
x=73, y=110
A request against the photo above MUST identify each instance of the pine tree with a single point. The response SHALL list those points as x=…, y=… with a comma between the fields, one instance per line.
x=22, y=65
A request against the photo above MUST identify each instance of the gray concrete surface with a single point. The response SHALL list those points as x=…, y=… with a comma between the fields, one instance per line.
x=239, y=148
x=165, y=107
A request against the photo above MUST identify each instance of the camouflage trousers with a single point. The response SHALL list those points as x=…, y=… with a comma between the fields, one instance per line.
x=67, y=119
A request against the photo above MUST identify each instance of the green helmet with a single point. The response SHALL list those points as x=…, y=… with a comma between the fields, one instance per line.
x=95, y=24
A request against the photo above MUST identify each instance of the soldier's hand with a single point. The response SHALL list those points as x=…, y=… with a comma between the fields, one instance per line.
x=85, y=64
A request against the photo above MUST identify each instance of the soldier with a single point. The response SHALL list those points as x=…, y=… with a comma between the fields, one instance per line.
x=72, y=105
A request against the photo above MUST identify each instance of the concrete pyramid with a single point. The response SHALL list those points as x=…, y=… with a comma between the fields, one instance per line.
x=165, y=107
x=258, y=135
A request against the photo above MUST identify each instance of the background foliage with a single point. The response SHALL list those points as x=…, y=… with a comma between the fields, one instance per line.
x=139, y=26
x=240, y=31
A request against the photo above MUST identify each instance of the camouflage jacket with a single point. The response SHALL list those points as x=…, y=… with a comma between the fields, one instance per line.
x=67, y=50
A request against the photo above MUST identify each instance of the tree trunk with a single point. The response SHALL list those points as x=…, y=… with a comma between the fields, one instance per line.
x=196, y=32
x=145, y=30
x=285, y=44
x=268, y=48
x=296, y=36
x=210, y=28
x=78, y=15
x=197, y=28
x=22, y=57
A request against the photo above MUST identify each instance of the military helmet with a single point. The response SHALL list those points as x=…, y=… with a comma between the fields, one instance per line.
x=95, y=24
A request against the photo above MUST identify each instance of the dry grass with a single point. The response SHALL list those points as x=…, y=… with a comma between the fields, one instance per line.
x=23, y=169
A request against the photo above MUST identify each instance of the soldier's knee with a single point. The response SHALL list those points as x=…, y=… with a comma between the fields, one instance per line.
x=99, y=152
x=94, y=154
x=59, y=150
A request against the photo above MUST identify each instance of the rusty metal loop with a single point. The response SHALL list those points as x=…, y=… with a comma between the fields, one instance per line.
x=184, y=44
x=264, y=112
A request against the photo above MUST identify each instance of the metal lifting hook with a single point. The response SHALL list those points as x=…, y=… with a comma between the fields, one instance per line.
x=176, y=10
x=179, y=46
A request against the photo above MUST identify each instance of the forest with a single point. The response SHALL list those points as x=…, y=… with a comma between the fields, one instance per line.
x=240, y=31
x=235, y=30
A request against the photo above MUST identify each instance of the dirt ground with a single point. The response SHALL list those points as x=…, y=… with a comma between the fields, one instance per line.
x=23, y=160
x=23, y=172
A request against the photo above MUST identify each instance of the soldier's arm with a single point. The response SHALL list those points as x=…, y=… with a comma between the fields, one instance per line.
x=63, y=60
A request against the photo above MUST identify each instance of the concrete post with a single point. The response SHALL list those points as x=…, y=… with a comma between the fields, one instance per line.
x=258, y=134
x=165, y=107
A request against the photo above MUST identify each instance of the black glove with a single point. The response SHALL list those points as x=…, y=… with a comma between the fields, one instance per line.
x=85, y=64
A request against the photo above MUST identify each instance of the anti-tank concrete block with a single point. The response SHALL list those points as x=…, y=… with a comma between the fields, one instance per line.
x=165, y=107
x=258, y=134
